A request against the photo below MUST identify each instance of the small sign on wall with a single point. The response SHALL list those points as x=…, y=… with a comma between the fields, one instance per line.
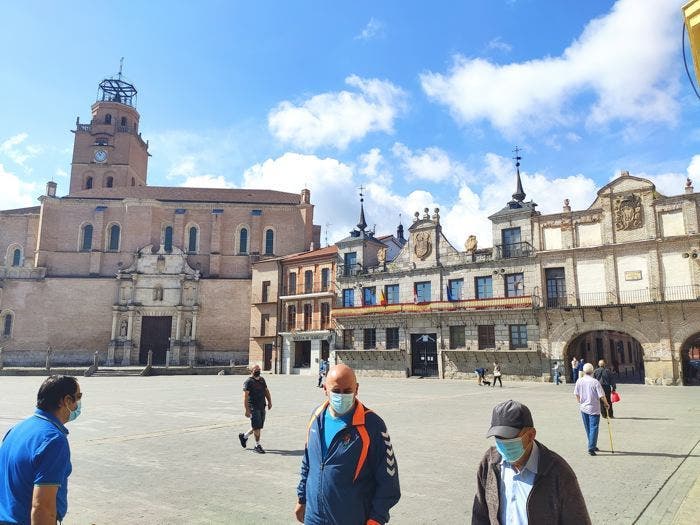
x=633, y=276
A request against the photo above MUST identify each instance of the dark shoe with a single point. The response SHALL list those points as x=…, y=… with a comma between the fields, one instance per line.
x=259, y=449
x=596, y=449
x=242, y=439
x=592, y=452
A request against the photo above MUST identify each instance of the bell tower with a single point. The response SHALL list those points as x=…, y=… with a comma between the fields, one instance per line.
x=109, y=151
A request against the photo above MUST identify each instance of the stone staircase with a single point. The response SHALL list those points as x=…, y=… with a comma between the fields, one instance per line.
x=126, y=371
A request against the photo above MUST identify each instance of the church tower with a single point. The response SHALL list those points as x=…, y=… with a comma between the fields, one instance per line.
x=109, y=151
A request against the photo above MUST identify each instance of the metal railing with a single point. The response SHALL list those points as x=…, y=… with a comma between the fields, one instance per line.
x=301, y=289
x=516, y=249
x=640, y=296
x=300, y=325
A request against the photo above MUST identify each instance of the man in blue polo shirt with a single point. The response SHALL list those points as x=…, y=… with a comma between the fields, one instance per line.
x=35, y=457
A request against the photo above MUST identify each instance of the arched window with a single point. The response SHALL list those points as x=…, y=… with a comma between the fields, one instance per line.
x=108, y=118
x=114, y=232
x=86, y=242
x=168, y=239
x=269, y=242
x=123, y=121
x=110, y=182
x=88, y=183
x=7, y=325
x=243, y=241
x=192, y=240
x=16, y=257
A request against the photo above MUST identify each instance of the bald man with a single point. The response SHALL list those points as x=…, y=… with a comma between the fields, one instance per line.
x=349, y=473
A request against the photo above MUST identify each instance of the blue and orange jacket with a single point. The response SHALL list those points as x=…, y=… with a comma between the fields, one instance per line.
x=357, y=480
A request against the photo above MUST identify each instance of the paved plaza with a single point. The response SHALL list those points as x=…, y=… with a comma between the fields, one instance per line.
x=165, y=449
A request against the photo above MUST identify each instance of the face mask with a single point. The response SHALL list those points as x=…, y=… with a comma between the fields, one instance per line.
x=256, y=373
x=341, y=403
x=74, y=413
x=510, y=449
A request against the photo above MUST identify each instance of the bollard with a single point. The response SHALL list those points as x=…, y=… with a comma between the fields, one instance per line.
x=95, y=360
x=150, y=358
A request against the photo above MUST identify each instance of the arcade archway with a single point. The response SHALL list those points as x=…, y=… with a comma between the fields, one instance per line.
x=622, y=353
x=690, y=357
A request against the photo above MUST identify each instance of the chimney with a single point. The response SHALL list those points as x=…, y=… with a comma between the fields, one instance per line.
x=51, y=189
x=305, y=196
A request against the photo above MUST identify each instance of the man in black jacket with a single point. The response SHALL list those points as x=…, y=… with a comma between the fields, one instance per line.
x=522, y=481
x=607, y=381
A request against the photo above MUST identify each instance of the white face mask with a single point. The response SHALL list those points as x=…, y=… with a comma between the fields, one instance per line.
x=341, y=403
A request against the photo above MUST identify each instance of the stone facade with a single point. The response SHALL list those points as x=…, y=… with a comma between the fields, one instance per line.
x=119, y=267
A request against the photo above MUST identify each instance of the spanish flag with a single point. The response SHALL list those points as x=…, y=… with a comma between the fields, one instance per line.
x=382, y=298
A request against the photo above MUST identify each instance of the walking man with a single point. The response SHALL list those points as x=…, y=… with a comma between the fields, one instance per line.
x=497, y=375
x=35, y=457
x=590, y=395
x=349, y=473
x=607, y=381
x=520, y=480
x=322, y=371
x=255, y=392
x=556, y=372
x=574, y=369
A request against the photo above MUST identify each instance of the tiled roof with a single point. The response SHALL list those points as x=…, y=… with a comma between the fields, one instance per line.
x=173, y=194
x=22, y=211
x=321, y=252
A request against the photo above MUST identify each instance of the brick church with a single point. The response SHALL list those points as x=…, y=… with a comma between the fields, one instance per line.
x=119, y=267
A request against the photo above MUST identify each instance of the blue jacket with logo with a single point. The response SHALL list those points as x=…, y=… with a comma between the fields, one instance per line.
x=358, y=479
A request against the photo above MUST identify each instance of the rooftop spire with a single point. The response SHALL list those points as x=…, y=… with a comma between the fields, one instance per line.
x=519, y=194
x=363, y=223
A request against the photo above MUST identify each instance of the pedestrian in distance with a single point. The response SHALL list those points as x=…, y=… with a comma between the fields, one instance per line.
x=322, y=371
x=35, y=457
x=556, y=371
x=255, y=393
x=519, y=480
x=497, y=374
x=590, y=395
x=349, y=473
x=574, y=369
x=581, y=363
x=481, y=376
x=607, y=381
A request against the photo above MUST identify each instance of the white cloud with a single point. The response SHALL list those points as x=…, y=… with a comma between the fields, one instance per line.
x=624, y=59
x=16, y=193
x=16, y=149
x=373, y=166
x=431, y=164
x=339, y=118
x=497, y=44
x=373, y=29
x=207, y=181
x=61, y=173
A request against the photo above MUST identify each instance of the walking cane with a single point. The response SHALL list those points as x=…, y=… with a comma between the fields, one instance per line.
x=607, y=414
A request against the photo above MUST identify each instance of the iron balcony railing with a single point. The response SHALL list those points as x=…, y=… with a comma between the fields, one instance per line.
x=302, y=288
x=310, y=326
x=516, y=249
x=640, y=296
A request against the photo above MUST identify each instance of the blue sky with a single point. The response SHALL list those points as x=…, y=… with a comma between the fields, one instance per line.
x=420, y=102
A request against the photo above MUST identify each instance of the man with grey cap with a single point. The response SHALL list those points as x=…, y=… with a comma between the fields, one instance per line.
x=520, y=480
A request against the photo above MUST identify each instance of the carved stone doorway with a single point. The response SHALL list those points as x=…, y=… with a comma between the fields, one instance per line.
x=155, y=336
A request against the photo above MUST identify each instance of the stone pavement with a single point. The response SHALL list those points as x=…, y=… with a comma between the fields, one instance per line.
x=163, y=450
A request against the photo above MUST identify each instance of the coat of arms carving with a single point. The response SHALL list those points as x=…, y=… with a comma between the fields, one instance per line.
x=422, y=245
x=628, y=212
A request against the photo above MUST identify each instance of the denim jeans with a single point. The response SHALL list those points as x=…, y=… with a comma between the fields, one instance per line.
x=556, y=378
x=591, y=425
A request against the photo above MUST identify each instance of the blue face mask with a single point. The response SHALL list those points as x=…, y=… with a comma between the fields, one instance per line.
x=75, y=413
x=341, y=403
x=511, y=449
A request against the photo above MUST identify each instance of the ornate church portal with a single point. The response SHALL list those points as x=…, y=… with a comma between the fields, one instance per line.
x=156, y=310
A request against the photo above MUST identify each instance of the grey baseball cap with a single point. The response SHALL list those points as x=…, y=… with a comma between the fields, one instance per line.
x=508, y=419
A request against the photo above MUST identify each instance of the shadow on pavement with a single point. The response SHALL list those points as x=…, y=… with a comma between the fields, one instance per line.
x=650, y=454
x=646, y=418
x=285, y=452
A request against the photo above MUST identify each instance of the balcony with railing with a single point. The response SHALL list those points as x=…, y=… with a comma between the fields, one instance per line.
x=513, y=250
x=626, y=297
x=492, y=303
x=317, y=289
x=307, y=325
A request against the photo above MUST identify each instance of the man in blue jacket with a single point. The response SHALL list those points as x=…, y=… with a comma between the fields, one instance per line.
x=349, y=474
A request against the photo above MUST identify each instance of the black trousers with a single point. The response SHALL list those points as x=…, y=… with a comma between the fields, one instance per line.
x=607, y=389
x=497, y=378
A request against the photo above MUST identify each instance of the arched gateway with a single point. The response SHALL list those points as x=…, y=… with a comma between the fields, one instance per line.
x=622, y=353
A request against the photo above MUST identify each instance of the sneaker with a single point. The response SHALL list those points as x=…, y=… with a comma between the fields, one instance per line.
x=242, y=439
x=592, y=452
x=259, y=449
x=596, y=449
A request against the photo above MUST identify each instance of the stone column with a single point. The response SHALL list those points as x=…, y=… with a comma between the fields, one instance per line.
x=115, y=316
x=193, y=337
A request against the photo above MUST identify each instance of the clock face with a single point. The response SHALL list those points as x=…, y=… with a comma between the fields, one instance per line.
x=100, y=155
